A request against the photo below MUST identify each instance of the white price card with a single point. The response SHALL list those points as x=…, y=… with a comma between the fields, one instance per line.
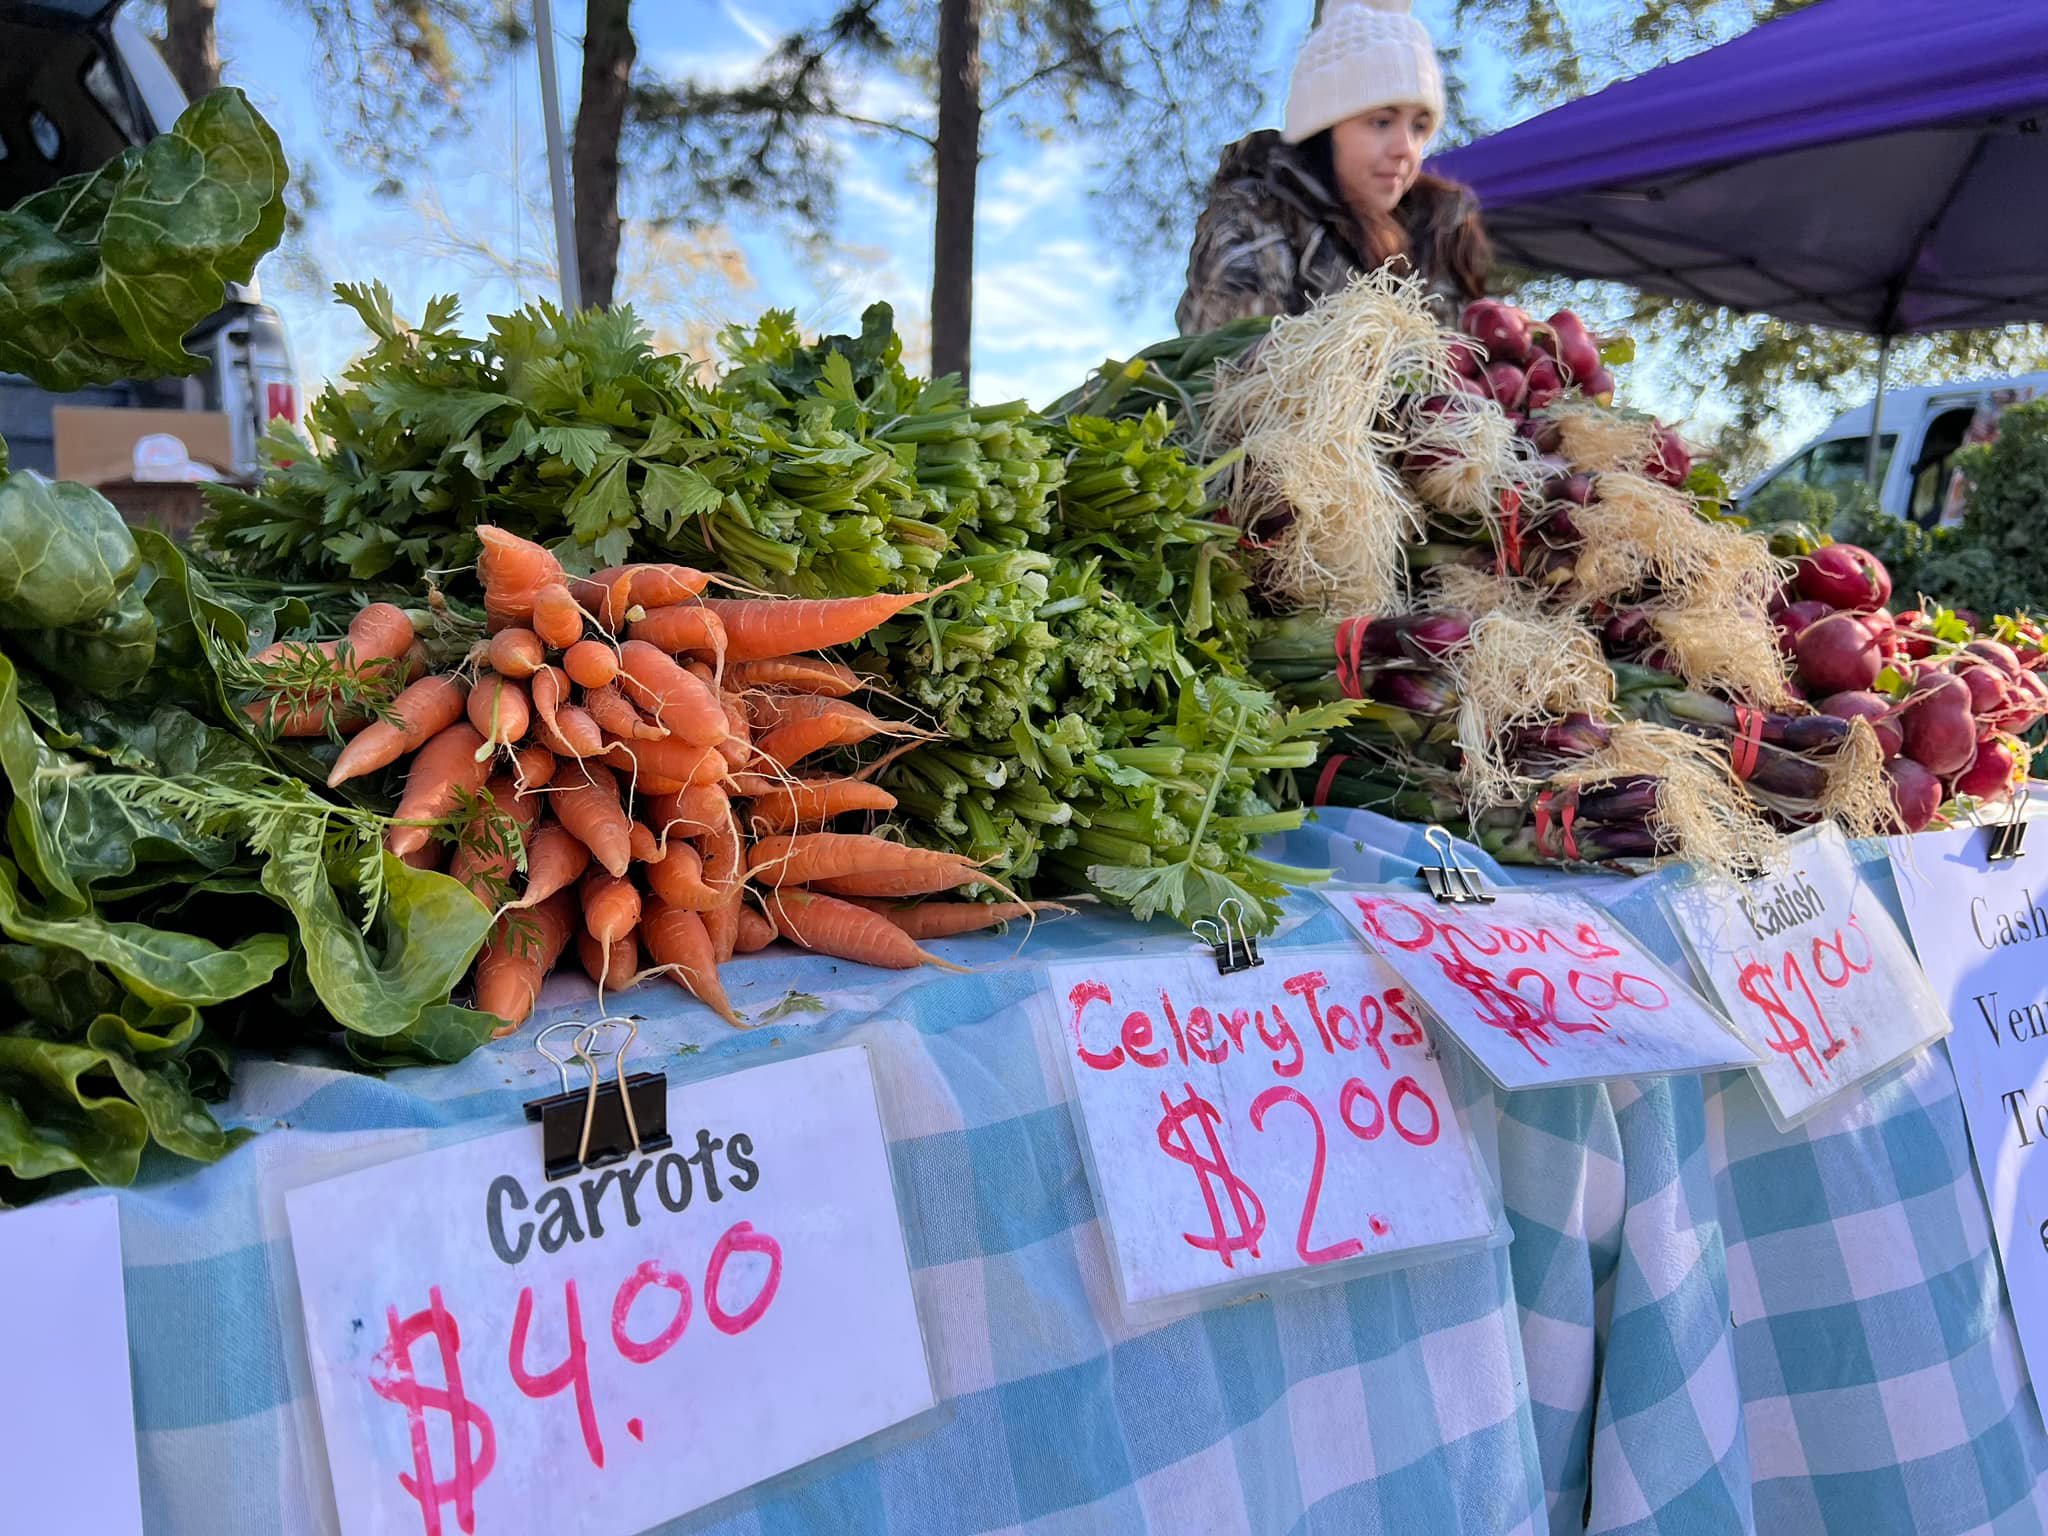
x=1982, y=933
x=1262, y=1124
x=67, y=1409
x=1544, y=990
x=496, y=1353
x=1812, y=972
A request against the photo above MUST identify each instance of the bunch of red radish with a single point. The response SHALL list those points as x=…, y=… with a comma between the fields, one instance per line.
x=1525, y=365
x=654, y=749
x=1951, y=717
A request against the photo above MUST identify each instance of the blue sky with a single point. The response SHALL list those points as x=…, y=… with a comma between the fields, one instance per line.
x=1052, y=295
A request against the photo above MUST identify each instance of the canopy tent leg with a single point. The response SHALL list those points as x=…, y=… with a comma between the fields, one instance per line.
x=1884, y=357
x=558, y=158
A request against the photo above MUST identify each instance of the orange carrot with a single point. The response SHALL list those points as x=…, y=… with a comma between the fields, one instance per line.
x=523, y=949
x=481, y=861
x=511, y=564
x=556, y=618
x=295, y=650
x=444, y=768
x=901, y=884
x=794, y=674
x=759, y=628
x=611, y=906
x=589, y=807
x=725, y=857
x=805, y=857
x=812, y=724
x=616, y=715
x=663, y=586
x=672, y=762
x=722, y=922
x=681, y=627
x=756, y=932
x=533, y=766
x=677, y=699
x=604, y=596
x=428, y=707
x=590, y=663
x=565, y=729
x=696, y=810
x=277, y=720
x=846, y=932
x=944, y=919
x=647, y=848
x=679, y=880
x=517, y=653
x=678, y=939
x=807, y=804
x=554, y=859
x=738, y=746
x=499, y=710
x=380, y=632
x=609, y=965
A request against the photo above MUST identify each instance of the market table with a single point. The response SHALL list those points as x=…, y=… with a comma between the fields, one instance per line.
x=1701, y=1324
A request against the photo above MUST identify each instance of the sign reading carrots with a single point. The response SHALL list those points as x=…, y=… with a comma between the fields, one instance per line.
x=1275, y=1122
x=1813, y=973
x=1543, y=989
x=498, y=1353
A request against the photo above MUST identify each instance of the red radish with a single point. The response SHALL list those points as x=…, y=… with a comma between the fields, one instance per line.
x=1845, y=576
x=1598, y=386
x=1508, y=385
x=1998, y=654
x=1475, y=387
x=1574, y=488
x=1941, y=735
x=1968, y=616
x=1916, y=633
x=1466, y=358
x=1992, y=772
x=1916, y=793
x=1545, y=383
x=1500, y=328
x=1987, y=689
x=1577, y=352
x=1875, y=708
x=1837, y=655
x=1670, y=461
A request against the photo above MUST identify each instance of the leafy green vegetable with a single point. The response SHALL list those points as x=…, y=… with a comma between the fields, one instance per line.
x=65, y=554
x=103, y=274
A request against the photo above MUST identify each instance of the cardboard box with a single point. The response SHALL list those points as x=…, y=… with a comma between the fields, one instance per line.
x=96, y=444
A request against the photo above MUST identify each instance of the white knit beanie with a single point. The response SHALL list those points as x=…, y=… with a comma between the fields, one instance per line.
x=1363, y=54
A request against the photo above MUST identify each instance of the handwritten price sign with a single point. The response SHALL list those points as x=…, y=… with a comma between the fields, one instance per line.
x=1813, y=973
x=1274, y=1121
x=1543, y=990
x=496, y=1353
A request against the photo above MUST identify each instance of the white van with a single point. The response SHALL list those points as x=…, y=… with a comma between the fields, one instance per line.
x=1923, y=427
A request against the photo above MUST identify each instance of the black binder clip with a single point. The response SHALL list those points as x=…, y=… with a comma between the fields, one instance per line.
x=2009, y=837
x=1229, y=940
x=606, y=1122
x=1451, y=879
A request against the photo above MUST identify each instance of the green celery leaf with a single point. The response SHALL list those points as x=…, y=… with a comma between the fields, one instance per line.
x=671, y=496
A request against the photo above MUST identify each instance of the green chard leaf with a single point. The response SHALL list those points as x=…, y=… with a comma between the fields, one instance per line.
x=102, y=276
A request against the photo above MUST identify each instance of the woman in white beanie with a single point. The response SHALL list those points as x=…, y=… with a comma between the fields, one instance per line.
x=1293, y=215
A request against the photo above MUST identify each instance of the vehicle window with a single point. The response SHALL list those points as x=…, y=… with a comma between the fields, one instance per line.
x=1838, y=466
x=1935, y=467
x=107, y=95
x=48, y=141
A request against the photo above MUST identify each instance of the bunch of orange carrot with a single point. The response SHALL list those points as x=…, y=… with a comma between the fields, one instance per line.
x=629, y=765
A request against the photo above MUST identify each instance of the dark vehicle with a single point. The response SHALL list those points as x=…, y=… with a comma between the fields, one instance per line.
x=79, y=83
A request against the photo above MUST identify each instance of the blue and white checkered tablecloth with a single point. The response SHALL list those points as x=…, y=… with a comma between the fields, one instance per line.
x=1701, y=1325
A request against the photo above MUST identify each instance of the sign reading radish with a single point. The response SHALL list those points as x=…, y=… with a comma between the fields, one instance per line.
x=1543, y=990
x=1276, y=1121
x=497, y=1353
x=1813, y=973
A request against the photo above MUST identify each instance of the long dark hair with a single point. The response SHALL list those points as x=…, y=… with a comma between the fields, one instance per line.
x=1436, y=225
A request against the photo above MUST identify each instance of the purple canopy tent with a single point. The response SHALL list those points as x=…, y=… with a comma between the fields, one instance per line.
x=1874, y=165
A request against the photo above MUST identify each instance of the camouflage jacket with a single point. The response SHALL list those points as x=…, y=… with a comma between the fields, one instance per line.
x=1274, y=240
